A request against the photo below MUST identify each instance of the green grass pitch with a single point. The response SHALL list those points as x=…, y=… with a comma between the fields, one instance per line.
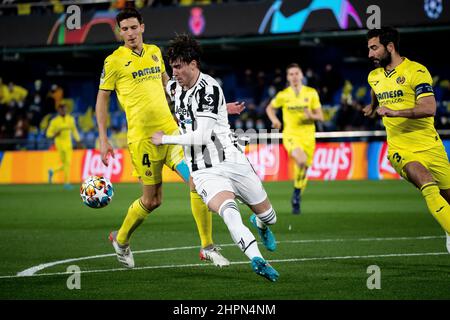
x=324, y=253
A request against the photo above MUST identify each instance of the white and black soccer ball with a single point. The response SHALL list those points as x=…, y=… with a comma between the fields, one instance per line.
x=433, y=8
x=96, y=192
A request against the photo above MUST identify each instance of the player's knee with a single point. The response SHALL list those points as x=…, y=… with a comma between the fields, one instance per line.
x=228, y=205
x=269, y=217
x=301, y=163
x=156, y=203
x=151, y=203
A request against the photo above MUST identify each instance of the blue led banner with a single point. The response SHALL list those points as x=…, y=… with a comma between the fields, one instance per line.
x=270, y=17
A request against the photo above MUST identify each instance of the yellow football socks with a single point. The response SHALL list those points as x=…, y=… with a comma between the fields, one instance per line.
x=437, y=205
x=203, y=219
x=66, y=172
x=300, y=179
x=135, y=216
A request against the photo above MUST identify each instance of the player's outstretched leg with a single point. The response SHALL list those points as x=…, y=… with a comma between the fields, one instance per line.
x=263, y=268
x=123, y=252
x=246, y=241
x=211, y=253
x=267, y=236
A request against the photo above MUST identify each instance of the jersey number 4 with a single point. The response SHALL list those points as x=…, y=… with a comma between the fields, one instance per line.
x=146, y=160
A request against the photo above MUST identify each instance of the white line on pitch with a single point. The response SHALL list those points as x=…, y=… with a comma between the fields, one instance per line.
x=390, y=255
x=32, y=270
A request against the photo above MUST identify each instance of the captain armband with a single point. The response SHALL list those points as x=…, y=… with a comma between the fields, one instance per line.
x=423, y=88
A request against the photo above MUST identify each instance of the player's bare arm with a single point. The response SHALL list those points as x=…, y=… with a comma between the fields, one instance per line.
x=425, y=107
x=276, y=123
x=101, y=112
x=165, y=78
x=315, y=114
x=369, y=110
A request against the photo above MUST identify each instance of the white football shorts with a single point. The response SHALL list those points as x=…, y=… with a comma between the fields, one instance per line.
x=239, y=178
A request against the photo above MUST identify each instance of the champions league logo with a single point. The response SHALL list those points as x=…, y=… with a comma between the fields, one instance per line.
x=280, y=23
x=433, y=8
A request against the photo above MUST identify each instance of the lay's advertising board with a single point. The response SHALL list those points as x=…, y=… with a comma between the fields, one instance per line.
x=32, y=167
x=332, y=161
x=379, y=166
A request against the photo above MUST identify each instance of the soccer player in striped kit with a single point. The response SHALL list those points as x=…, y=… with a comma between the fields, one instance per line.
x=220, y=171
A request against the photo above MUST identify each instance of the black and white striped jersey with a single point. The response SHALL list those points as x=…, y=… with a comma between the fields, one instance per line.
x=204, y=99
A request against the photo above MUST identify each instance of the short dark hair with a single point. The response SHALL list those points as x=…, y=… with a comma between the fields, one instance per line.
x=293, y=65
x=184, y=48
x=386, y=35
x=129, y=13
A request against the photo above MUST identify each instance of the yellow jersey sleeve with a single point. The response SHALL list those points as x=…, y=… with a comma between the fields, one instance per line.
x=421, y=82
x=109, y=75
x=278, y=101
x=4, y=94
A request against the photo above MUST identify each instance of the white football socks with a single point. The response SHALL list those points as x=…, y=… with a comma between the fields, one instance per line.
x=266, y=218
x=240, y=234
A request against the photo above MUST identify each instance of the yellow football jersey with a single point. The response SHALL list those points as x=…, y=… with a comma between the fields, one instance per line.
x=4, y=94
x=137, y=80
x=400, y=89
x=66, y=126
x=293, y=106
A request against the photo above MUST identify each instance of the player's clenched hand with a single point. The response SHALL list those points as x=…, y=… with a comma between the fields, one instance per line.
x=308, y=114
x=235, y=107
x=157, y=138
x=276, y=124
x=386, y=112
x=367, y=110
x=106, y=150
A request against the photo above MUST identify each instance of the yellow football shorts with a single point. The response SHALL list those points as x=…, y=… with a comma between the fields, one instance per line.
x=65, y=154
x=308, y=145
x=148, y=160
x=434, y=159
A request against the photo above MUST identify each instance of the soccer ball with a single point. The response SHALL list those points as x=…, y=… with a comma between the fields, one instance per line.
x=96, y=192
x=433, y=8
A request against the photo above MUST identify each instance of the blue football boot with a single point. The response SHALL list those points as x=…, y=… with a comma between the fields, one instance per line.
x=263, y=268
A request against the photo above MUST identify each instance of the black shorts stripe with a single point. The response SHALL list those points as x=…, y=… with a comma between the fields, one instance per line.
x=206, y=156
x=219, y=147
